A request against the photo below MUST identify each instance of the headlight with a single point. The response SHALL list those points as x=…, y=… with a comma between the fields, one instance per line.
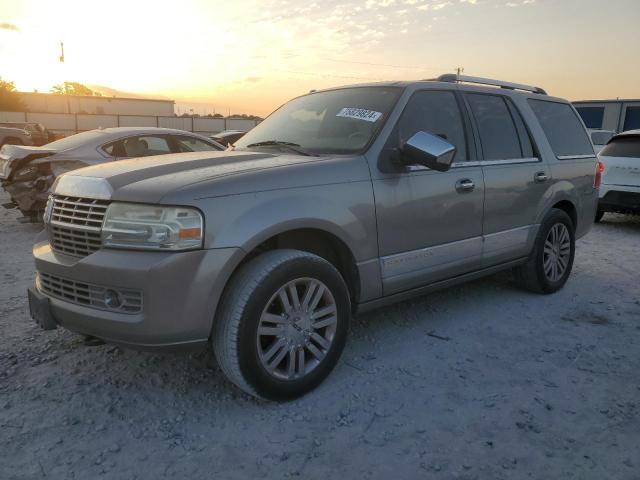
x=151, y=227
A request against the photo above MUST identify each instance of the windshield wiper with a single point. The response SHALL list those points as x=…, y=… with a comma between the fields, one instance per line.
x=294, y=147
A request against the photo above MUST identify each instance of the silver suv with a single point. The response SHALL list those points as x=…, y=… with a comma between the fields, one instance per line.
x=341, y=201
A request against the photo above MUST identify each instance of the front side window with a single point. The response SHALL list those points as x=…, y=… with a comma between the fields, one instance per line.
x=145, y=146
x=592, y=116
x=498, y=133
x=563, y=128
x=434, y=112
x=632, y=118
x=192, y=144
x=342, y=121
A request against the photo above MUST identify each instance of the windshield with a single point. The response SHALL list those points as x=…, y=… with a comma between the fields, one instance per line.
x=334, y=122
x=74, y=141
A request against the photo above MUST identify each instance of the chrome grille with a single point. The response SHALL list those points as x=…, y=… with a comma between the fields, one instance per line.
x=88, y=294
x=76, y=223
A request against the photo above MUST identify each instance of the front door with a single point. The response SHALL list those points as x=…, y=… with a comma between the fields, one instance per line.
x=429, y=222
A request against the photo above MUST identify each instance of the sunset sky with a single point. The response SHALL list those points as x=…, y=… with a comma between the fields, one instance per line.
x=250, y=56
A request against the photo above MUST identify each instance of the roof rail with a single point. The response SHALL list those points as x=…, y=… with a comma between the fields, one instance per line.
x=454, y=78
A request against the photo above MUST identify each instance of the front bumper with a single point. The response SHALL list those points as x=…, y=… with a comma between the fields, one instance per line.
x=180, y=293
x=619, y=198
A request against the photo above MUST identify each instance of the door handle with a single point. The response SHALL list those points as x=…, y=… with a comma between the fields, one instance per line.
x=465, y=185
x=540, y=177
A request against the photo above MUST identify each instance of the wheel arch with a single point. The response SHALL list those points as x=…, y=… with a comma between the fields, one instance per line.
x=318, y=240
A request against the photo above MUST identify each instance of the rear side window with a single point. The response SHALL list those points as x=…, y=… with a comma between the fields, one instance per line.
x=563, y=129
x=592, y=116
x=622, y=147
x=498, y=133
x=192, y=144
x=632, y=119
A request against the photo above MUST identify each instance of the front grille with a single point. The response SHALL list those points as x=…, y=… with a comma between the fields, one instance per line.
x=76, y=223
x=130, y=301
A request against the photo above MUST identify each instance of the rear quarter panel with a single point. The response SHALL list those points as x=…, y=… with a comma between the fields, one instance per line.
x=571, y=179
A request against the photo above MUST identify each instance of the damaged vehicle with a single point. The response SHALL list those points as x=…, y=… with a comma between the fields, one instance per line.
x=14, y=136
x=39, y=133
x=341, y=201
x=27, y=172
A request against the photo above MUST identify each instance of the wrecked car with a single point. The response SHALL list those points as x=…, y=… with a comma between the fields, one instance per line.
x=39, y=133
x=27, y=172
x=14, y=136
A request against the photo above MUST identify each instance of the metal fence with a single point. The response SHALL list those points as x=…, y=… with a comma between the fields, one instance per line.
x=70, y=123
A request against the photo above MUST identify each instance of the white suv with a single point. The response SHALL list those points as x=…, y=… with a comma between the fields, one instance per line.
x=620, y=187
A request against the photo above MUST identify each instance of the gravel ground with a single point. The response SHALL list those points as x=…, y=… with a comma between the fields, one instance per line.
x=482, y=381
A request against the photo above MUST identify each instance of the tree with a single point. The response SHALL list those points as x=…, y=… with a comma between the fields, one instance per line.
x=74, y=88
x=9, y=99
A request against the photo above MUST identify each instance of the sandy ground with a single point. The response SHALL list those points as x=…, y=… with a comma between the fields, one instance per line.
x=513, y=385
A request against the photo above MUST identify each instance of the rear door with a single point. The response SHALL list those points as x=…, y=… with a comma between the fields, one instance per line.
x=516, y=179
x=429, y=222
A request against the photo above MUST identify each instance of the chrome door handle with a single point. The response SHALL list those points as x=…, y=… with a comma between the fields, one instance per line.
x=540, y=177
x=465, y=185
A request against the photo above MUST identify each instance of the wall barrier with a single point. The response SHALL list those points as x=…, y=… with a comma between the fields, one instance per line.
x=70, y=123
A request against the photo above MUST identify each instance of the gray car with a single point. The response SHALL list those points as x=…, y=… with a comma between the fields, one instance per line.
x=341, y=201
x=10, y=135
x=27, y=173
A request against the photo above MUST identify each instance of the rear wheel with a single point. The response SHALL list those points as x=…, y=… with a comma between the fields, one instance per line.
x=282, y=325
x=551, y=260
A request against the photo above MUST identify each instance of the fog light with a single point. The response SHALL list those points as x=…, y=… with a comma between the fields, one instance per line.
x=112, y=299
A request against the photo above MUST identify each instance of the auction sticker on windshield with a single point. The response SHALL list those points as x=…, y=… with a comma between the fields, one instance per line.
x=359, y=114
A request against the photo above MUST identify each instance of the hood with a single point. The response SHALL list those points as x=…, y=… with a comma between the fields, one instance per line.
x=11, y=155
x=158, y=178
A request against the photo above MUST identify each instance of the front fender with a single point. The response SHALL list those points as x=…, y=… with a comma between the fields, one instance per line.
x=345, y=210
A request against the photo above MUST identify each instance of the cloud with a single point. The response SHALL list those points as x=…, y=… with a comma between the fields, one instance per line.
x=9, y=26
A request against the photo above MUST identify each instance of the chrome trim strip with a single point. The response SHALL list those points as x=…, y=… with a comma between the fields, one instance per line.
x=83, y=187
x=430, y=257
x=479, y=163
x=574, y=157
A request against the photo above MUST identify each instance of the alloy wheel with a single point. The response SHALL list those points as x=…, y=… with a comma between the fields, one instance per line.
x=557, y=252
x=297, y=328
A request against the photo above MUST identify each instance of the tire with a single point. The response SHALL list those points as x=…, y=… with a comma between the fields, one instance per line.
x=253, y=300
x=599, y=215
x=538, y=274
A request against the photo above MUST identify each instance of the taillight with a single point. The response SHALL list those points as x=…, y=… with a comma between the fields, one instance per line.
x=598, y=178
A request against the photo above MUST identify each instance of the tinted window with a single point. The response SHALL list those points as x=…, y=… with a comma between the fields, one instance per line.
x=109, y=149
x=622, y=147
x=436, y=113
x=562, y=127
x=334, y=121
x=192, y=144
x=498, y=134
x=632, y=118
x=145, y=145
x=592, y=116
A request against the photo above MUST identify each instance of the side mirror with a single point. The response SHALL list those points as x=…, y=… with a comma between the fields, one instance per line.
x=429, y=150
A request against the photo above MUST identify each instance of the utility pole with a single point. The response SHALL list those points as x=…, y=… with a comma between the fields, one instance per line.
x=459, y=71
x=61, y=52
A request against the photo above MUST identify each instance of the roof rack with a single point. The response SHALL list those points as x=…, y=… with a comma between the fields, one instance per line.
x=454, y=78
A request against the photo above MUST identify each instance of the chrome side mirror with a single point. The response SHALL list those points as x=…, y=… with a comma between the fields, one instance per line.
x=429, y=150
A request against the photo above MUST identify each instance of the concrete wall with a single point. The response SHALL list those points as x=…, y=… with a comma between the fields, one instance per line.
x=65, y=124
x=50, y=103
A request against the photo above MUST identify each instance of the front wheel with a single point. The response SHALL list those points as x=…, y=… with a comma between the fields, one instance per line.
x=282, y=324
x=551, y=260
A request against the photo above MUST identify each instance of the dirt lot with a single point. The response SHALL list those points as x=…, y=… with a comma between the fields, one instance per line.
x=482, y=381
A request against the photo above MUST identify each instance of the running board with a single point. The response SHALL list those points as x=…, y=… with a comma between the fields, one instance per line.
x=433, y=287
